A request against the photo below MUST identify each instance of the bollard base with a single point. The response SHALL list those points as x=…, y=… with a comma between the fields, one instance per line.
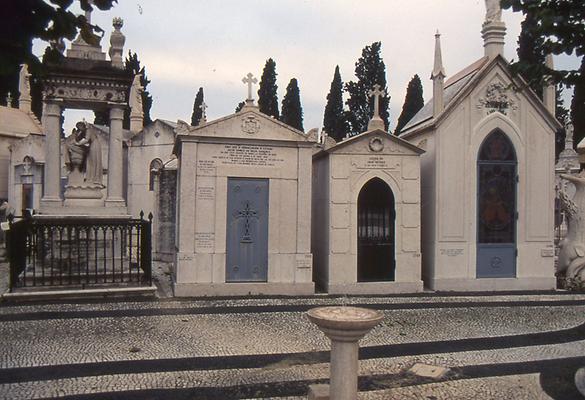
x=318, y=392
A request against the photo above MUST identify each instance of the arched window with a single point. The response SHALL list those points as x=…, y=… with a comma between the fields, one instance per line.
x=496, y=207
x=155, y=167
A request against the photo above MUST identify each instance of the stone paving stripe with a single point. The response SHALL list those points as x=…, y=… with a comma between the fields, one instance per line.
x=551, y=383
x=52, y=315
x=26, y=374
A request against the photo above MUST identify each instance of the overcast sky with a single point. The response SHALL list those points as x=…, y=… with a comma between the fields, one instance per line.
x=185, y=44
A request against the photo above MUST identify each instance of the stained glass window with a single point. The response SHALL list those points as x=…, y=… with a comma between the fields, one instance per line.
x=497, y=190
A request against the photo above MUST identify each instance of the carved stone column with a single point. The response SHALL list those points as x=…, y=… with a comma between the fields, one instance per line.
x=52, y=176
x=115, y=158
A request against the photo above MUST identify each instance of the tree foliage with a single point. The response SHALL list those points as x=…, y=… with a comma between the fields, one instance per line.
x=48, y=20
x=413, y=102
x=292, y=111
x=334, y=119
x=197, y=111
x=578, y=107
x=561, y=23
x=132, y=66
x=531, y=53
x=369, y=70
x=267, y=96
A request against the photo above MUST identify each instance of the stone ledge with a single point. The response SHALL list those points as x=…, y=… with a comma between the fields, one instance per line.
x=242, y=289
x=492, y=284
x=79, y=293
x=375, y=287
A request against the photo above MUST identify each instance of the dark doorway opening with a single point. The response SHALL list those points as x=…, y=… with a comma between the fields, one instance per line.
x=376, y=232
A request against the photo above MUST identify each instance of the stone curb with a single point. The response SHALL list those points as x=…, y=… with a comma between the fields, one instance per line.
x=79, y=293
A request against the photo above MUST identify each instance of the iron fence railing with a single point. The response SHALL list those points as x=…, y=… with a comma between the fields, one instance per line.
x=78, y=251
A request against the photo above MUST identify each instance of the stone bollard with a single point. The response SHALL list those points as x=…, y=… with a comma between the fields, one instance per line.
x=345, y=326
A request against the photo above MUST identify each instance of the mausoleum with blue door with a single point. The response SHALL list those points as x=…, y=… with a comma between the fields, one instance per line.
x=243, y=207
x=487, y=175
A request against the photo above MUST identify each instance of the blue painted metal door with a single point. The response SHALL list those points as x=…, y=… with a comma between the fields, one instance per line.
x=497, y=212
x=247, y=230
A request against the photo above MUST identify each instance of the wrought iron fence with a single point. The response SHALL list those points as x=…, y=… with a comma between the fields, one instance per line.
x=81, y=252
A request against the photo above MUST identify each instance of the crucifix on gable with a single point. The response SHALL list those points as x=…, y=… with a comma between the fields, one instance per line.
x=203, y=108
x=377, y=92
x=249, y=80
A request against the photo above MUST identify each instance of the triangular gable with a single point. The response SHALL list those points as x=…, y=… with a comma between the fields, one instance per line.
x=31, y=145
x=249, y=123
x=367, y=142
x=476, y=80
x=147, y=135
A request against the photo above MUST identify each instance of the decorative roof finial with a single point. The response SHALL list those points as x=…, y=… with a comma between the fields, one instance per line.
x=376, y=122
x=117, y=40
x=203, y=108
x=250, y=80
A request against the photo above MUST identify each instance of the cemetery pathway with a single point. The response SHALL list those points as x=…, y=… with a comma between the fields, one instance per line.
x=521, y=346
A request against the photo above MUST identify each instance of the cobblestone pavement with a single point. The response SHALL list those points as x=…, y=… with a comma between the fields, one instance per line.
x=512, y=346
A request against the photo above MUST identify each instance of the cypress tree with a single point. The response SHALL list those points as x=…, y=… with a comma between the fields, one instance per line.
x=132, y=66
x=369, y=70
x=292, y=111
x=197, y=111
x=334, y=122
x=413, y=102
x=578, y=106
x=267, y=97
x=531, y=53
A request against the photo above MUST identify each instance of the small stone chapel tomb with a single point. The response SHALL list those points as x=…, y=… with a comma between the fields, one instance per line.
x=487, y=174
x=243, y=206
x=366, y=214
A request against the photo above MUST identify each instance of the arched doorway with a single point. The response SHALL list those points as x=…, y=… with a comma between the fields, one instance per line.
x=496, y=207
x=376, y=233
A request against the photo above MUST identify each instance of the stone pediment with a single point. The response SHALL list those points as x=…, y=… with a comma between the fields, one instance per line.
x=31, y=145
x=375, y=142
x=247, y=124
x=157, y=133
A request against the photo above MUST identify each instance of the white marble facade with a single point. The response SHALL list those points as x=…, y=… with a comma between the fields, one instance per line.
x=250, y=146
x=343, y=225
x=479, y=102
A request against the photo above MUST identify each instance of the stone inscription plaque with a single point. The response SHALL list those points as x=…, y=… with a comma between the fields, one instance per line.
x=204, y=240
x=248, y=155
x=451, y=252
x=304, y=261
x=547, y=252
x=206, y=193
x=205, y=167
x=374, y=162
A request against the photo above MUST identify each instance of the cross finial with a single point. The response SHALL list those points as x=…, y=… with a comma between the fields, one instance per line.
x=376, y=92
x=203, y=108
x=250, y=80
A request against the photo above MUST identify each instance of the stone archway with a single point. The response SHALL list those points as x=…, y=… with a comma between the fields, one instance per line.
x=376, y=232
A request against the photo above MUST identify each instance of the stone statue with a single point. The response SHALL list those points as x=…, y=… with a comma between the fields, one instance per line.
x=135, y=98
x=85, y=155
x=493, y=11
x=24, y=83
x=572, y=247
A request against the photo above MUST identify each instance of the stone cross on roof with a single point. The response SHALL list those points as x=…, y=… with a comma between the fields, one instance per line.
x=250, y=80
x=203, y=108
x=376, y=92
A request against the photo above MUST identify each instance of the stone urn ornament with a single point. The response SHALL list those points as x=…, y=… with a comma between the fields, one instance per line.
x=572, y=247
